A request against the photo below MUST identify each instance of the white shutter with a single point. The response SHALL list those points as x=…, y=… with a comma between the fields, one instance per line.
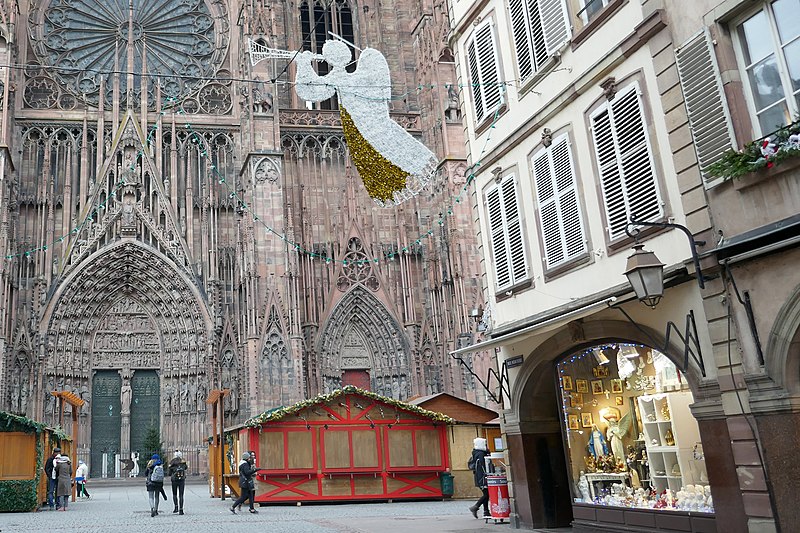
x=520, y=24
x=554, y=24
x=475, y=78
x=560, y=216
x=516, y=242
x=709, y=120
x=625, y=162
x=505, y=228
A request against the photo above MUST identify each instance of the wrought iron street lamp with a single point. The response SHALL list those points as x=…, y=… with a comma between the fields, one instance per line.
x=646, y=275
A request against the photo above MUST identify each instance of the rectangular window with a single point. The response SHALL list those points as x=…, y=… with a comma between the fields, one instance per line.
x=483, y=71
x=625, y=162
x=540, y=28
x=560, y=219
x=590, y=9
x=769, y=46
x=505, y=230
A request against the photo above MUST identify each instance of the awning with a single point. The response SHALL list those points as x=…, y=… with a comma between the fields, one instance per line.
x=543, y=326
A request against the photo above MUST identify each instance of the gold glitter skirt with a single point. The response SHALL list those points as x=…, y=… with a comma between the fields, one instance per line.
x=381, y=177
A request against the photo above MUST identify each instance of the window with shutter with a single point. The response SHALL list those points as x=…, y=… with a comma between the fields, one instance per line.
x=539, y=28
x=483, y=70
x=505, y=230
x=560, y=218
x=625, y=162
x=709, y=120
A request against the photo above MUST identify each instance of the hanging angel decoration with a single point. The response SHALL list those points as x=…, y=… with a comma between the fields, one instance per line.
x=393, y=165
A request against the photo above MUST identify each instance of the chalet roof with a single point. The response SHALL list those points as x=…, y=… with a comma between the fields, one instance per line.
x=476, y=412
x=12, y=422
x=280, y=412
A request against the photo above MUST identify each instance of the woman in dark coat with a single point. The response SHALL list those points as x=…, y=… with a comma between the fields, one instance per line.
x=479, y=452
x=154, y=487
x=246, y=483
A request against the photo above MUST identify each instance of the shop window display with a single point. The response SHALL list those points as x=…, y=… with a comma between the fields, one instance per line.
x=631, y=438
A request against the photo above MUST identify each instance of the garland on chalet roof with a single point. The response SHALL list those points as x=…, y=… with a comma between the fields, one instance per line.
x=280, y=412
x=763, y=153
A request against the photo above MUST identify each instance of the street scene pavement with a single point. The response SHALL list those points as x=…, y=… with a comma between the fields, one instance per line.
x=122, y=505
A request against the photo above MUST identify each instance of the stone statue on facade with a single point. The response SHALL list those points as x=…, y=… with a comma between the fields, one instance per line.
x=126, y=393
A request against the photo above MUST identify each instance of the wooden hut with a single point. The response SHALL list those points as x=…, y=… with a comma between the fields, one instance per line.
x=470, y=420
x=350, y=444
x=24, y=447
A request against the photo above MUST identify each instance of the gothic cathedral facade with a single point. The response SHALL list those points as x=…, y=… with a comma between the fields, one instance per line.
x=176, y=220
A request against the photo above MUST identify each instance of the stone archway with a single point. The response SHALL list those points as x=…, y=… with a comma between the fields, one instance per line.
x=129, y=310
x=361, y=332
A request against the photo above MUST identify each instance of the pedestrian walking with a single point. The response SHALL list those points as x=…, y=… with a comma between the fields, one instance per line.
x=246, y=483
x=478, y=466
x=62, y=470
x=81, y=477
x=154, y=481
x=177, y=474
x=51, y=481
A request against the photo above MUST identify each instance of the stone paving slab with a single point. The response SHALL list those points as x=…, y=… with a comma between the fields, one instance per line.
x=124, y=507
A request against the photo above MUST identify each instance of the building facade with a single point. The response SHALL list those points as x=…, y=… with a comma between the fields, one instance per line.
x=176, y=220
x=583, y=116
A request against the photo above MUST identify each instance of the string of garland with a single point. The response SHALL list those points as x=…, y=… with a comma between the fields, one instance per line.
x=171, y=103
x=157, y=78
x=762, y=153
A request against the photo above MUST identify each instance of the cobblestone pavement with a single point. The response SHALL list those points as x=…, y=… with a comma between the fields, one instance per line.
x=123, y=506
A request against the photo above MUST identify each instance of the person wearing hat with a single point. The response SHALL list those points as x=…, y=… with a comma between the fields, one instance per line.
x=177, y=473
x=62, y=470
x=246, y=484
x=154, y=481
x=81, y=476
x=479, y=452
x=51, y=481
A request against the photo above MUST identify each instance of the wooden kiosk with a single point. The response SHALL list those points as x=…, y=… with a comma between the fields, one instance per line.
x=348, y=445
x=24, y=447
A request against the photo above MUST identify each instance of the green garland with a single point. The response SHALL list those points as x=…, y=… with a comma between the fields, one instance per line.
x=735, y=164
x=18, y=494
x=280, y=412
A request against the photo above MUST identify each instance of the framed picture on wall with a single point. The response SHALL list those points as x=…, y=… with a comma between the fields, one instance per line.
x=582, y=385
x=600, y=371
x=576, y=400
x=616, y=386
x=586, y=420
x=618, y=400
x=566, y=382
x=574, y=422
x=597, y=386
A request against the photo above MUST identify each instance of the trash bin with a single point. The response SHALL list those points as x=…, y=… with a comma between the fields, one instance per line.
x=446, y=480
x=499, y=505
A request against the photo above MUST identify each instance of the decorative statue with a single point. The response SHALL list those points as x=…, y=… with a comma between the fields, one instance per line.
x=393, y=165
x=583, y=487
x=597, y=443
x=617, y=429
x=125, y=396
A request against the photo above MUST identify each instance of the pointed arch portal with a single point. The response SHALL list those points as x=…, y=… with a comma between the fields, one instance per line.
x=361, y=335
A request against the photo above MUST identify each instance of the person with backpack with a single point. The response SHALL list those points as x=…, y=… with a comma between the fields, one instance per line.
x=247, y=472
x=154, y=481
x=177, y=473
x=477, y=464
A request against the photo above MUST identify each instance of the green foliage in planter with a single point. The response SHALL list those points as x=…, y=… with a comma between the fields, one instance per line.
x=733, y=164
x=18, y=495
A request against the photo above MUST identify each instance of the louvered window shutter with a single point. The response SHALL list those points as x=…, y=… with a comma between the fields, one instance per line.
x=625, y=162
x=483, y=69
x=560, y=216
x=520, y=28
x=709, y=120
x=505, y=228
x=554, y=24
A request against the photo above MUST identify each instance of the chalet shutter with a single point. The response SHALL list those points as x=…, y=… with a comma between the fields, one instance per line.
x=709, y=119
x=539, y=28
x=560, y=216
x=483, y=70
x=625, y=162
x=505, y=229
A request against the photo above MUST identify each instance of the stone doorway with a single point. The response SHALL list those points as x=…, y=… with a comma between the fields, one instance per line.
x=106, y=421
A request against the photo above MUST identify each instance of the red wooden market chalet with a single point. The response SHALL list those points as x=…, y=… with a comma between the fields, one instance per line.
x=350, y=444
